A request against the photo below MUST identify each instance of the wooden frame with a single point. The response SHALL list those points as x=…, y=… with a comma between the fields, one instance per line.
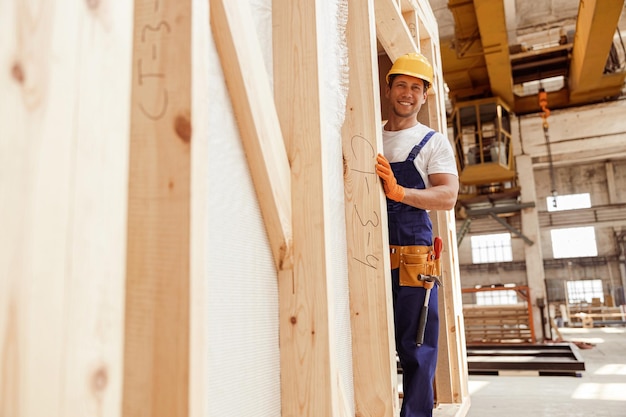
x=148, y=337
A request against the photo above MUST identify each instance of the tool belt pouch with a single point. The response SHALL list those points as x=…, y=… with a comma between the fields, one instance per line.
x=412, y=265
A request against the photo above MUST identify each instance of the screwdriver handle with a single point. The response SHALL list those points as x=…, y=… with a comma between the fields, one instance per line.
x=437, y=246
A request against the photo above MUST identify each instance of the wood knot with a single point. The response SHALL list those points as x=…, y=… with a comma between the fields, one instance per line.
x=17, y=72
x=293, y=320
x=99, y=379
x=182, y=126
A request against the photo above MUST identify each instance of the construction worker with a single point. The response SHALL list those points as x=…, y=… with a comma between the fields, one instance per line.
x=418, y=171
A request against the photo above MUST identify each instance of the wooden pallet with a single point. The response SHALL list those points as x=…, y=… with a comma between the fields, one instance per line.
x=497, y=324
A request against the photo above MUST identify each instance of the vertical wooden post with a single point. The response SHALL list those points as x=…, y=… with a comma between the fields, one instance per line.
x=373, y=346
x=309, y=373
x=451, y=376
x=157, y=291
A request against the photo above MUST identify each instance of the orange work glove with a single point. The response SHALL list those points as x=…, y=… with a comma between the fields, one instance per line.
x=393, y=190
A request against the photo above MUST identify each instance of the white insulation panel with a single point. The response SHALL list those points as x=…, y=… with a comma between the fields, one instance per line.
x=243, y=352
x=333, y=69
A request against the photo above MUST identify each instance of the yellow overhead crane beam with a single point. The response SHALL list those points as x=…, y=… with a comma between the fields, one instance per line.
x=595, y=29
x=493, y=33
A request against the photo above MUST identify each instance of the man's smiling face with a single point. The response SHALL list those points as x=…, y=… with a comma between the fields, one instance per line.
x=406, y=95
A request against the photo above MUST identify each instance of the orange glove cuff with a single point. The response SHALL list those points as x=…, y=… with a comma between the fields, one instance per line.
x=396, y=194
x=393, y=190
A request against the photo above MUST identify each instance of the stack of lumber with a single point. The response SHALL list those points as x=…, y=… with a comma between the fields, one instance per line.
x=497, y=324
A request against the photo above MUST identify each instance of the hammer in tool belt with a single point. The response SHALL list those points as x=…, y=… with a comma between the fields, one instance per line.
x=429, y=281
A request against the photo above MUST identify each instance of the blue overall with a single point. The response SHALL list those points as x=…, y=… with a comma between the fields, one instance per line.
x=412, y=226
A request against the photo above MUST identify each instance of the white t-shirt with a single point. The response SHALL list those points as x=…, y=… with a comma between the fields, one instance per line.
x=436, y=157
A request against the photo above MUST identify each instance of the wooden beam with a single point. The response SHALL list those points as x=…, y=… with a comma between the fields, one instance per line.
x=451, y=377
x=392, y=31
x=157, y=291
x=309, y=374
x=373, y=345
x=253, y=105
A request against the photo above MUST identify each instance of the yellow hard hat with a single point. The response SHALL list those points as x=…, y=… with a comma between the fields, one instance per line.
x=413, y=64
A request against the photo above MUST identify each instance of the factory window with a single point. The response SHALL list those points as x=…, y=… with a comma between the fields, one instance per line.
x=494, y=298
x=568, y=202
x=491, y=248
x=574, y=242
x=585, y=291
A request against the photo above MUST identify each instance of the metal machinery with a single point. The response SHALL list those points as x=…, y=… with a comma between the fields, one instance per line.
x=482, y=138
x=482, y=56
x=484, y=154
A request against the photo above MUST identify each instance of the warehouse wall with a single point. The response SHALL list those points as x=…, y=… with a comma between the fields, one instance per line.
x=589, y=157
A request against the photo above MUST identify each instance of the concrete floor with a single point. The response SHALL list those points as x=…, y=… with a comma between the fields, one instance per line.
x=600, y=391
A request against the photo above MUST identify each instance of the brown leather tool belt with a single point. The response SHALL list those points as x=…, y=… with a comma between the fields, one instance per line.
x=414, y=261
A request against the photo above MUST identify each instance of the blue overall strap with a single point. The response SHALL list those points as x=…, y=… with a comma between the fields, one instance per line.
x=417, y=148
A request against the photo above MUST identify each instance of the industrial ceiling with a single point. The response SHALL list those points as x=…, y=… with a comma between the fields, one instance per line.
x=513, y=48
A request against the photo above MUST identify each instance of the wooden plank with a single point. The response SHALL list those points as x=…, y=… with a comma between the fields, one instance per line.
x=373, y=345
x=392, y=31
x=436, y=95
x=309, y=374
x=35, y=206
x=95, y=287
x=253, y=105
x=158, y=250
x=63, y=154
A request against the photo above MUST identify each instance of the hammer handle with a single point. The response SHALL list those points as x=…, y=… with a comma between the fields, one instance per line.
x=421, y=327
